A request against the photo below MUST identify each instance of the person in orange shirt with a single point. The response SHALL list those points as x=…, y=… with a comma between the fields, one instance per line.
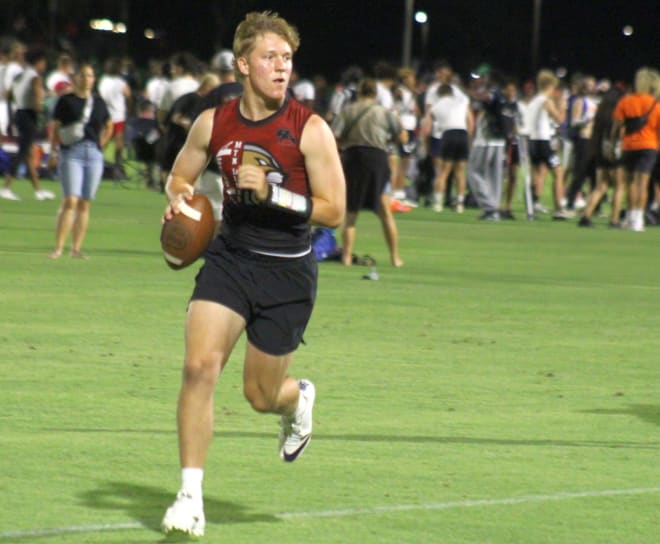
x=637, y=123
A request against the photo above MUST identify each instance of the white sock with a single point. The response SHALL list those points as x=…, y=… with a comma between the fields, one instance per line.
x=399, y=194
x=460, y=199
x=191, y=481
x=438, y=198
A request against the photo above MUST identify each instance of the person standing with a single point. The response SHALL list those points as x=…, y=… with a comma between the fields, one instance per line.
x=544, y=112
x=281, y=171
x=449, y=123
x=80, y=162
x=637, y=119
x=116, y=93
x=364, y=130
x=27, y=95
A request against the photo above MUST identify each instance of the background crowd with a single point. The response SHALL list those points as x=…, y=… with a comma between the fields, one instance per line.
x=451, y=143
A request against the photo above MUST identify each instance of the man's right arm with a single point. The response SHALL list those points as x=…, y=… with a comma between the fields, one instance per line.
x=190, y=162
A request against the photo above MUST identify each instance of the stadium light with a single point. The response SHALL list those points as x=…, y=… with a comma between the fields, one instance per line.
x=421, y=17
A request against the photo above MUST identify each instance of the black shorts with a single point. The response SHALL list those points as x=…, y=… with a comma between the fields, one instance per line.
x=453, y=146
x=367, y=172
x=541, y=152
x=641, y=160
x=275, y=295
x=407, y=149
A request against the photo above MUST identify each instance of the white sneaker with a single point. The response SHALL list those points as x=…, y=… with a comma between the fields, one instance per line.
x=296, y=431
x=185, y=515
x=44, y=194
x=438, y=207
x=459, y=208
x=8, y=194
x=540, y=208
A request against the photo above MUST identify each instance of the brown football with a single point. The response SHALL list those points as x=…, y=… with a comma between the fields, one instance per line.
x=185, y=237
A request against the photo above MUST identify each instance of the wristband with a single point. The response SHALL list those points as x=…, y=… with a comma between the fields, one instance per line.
x=285, y=200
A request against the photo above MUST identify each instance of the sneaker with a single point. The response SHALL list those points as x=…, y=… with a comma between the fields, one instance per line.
x=614, y=225
x=296, y=431
x=44, y=194
x=438, y=207
x=507, y=214
x=580, y=203
x=560, y=215
x=490, y=215
x=585, y=222
x=185, y=515
x=399, y=207
x=460, y=208
x=540, y=208
x=8, y=194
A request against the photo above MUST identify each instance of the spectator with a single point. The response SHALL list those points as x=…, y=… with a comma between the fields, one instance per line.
x=303, y=89
x=157, y=82
x=637, y=119
x=511, y=122
x=27, y=95
x=546, y=111
x=364, y=130
x=116, y=93
x=487, y=154
x=61, y=74
x=184, y=69
x=449, y=123
x=81, y=158
x=607, y=171
x=583, y=111
x=405, y=106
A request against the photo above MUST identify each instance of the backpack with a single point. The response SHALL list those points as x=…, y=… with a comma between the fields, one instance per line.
x=324, y=244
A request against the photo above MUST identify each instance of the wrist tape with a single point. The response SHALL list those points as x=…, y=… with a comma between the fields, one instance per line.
x=288, y=201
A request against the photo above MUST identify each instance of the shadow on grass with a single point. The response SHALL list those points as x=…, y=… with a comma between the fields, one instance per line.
x=412, y=439
x=649, y=413
x=146, y=505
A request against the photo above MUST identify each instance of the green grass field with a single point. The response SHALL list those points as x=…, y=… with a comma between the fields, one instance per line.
x=501, y=388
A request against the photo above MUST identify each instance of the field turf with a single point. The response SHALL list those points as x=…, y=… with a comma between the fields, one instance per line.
x=503, y=387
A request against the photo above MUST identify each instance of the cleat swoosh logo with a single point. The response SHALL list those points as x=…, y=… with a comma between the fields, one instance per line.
x=289, y=457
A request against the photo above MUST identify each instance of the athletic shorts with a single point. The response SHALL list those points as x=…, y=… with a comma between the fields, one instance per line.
x=367, y=172
x=274, y=295
x=453, y=146
x=640, y=160
x=118, y=128
x=541, y=152
x=407, y=149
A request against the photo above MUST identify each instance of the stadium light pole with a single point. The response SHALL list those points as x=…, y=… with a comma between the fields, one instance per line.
x=406, y=56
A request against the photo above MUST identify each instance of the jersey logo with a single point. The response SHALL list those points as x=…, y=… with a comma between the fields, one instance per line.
x=258, y=156
x=283, y=135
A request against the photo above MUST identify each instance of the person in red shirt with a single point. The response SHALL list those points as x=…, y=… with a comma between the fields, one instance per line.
x=281, y=170
x=637, y=122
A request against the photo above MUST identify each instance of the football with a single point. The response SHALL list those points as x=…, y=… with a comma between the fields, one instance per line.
x=185, y=237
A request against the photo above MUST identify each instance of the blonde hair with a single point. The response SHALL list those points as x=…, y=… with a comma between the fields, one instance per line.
x=258, y=23
x=545, y=79
x=647, y=81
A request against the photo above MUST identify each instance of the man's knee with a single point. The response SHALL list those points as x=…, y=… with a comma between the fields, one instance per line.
x=203, y=369
x=258, y=399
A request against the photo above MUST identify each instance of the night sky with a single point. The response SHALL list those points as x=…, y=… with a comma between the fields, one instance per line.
x=584, y=35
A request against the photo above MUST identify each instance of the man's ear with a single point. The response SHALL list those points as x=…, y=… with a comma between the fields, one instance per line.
x=243, y=66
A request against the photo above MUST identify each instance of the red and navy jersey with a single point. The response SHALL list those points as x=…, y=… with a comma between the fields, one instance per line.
x=273, y=144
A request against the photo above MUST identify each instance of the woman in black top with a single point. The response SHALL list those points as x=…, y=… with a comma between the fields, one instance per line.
x=82, y=126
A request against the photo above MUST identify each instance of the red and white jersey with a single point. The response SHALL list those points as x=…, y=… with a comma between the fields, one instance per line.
x=272, y=144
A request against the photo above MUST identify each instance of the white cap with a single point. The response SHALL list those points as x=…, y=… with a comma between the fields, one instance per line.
x=223, y=61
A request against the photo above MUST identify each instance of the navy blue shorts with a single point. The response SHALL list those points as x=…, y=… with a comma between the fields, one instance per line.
x=274, y=295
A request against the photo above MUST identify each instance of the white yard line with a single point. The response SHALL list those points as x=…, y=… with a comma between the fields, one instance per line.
x=470, y=503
